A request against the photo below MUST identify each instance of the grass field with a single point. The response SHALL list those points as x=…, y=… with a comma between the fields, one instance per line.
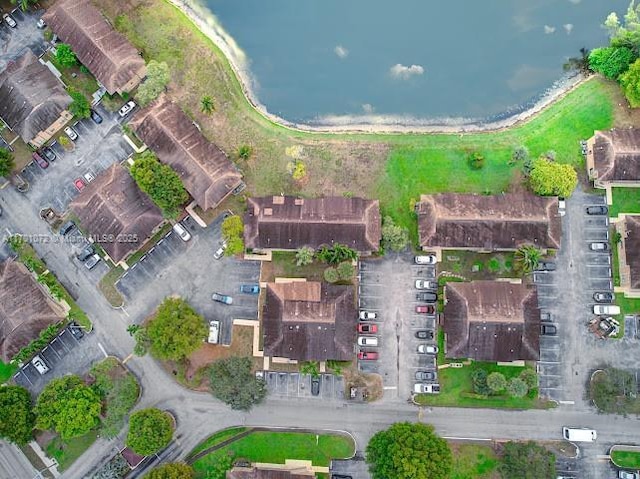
x=66, y=452
x=474, y=461
x=626, y=459
x=6, y=371
x=625, y=200
x=217, y=438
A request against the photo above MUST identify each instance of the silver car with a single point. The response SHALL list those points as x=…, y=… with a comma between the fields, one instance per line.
x=71, y=133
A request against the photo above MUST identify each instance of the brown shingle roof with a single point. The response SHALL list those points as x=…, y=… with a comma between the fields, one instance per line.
x=106, y=53
x=205, y=170
x=505, y=221
x=31, y=97
x=25, y=309
x=113, y=207
x=616, y=154
x=286, y=222
x=267, y=473
x=492, y=321
x=309, y=321
x=632, y=248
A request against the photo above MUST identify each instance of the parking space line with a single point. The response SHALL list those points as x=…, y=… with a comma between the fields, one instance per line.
x=103, y=351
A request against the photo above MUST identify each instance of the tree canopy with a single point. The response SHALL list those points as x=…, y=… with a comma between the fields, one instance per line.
x=68, y=406
x=149, y=431
x=613, y=391
x=7, y=163
x=548, y=178
x=176, y=330
x=394, y=237
x=16, y=415
x=610, y=61
x=409, y=451
x=157, y=78
x=630, y=82
x=527, y=258
x=80, y=106
x=233, y=383
x=175, y=470
x=527, y=460
x=232, y=232
x=160, y=182
x=65, y=55
x=336, y=254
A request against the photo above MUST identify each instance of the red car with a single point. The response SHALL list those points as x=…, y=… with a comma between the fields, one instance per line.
x=79, y=184
x=42, y=163
x=367, y=328
x=426, y=309
x=367, y=355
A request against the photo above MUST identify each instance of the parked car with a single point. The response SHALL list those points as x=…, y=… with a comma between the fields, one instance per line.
x=426, y=375
x=222, y=298
x=315, y=386
x=95, y=116
x=79, y=184
x=66, y=228
x=40, y=161
x=214, y=332
x=545, y=317
x=548, y=330
x=341, y=476
x=606, y=309
x=220, y=251
x=422, y=388
x=86, y=252
x=622, y=474
x=368, y=315
x=250, y=288
x=426, y=284
x=367, y=328
x=126, y=108
x=48, y=154
x=88, y=177
x=424, y=334
x=182, y=232
x=76, y=330
x=427, y=273
x=426, y=309
x=546, y=266
x=92, y=261
x=40, y=365
x=427, y=297
x=367, y=341
x=427, y=349
x=426, y=259
x=604, y=297
x=562, y=206
x=10, y=21
x=41, y=24
x=71, y=133
x=599, y=246
x=597, y=210
x=367, y=355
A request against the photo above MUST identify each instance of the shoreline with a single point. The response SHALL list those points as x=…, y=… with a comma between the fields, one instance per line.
x=204, y=20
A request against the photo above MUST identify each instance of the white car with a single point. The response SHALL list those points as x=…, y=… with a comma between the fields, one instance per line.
x=367, y=341
x=368, y=315
x=182, y=232
x=40, y=365
x=220, y=251
x=426, y=284
x=89, y=177
x=41, y=24
x=426, y=259
x=426, y=349
x=10, y=21
x=214, y=331
x=71, y=133
x=423, y=388
x=130, y=105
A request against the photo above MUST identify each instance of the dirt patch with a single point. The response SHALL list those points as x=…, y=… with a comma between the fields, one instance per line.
x=372, y=383
x=623, y=115
x=561, y=448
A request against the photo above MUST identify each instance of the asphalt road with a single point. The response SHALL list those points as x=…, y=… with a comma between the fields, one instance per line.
x=14, y=464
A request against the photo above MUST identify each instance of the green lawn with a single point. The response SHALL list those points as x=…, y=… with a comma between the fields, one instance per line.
x=284, y=266
x=218, y=438
x=6, y=371
x=83, y=82
x=66, y=452
x=473, y=461
x=275, y=447
x=626, y=459
x=478, y=266
x=625, y=200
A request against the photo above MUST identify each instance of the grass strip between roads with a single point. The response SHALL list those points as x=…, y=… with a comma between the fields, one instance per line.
x=626, y=459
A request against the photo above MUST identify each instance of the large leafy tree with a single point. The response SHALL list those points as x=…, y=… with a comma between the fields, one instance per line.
x=7, y=162
x=176, y=330
x=630, y=81
x=336, y=254
x=527, y=460
x=157, y=78
x=548, y=178
x=233, y=382
x=611, y=61
x=16, y=414
x=149, y=431
x=394, y=237
x=409, y=451
x=232, y=232
x=65, y=55
x=68, y=406
x=175, y=470
x=80, y=106
x=160, y=182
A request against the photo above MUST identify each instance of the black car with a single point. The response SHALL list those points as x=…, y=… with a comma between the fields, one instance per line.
x=426, y=375
x=427, y=297
x=86, y=252
x=546, y=266
x=48, y=154
x=340, y=476
x=548, y=330
x=315, y=386
x=76, y=330
x=95, y=116
x=425, y=334
x=66, y=228
x=604, y=297
x=597, y=210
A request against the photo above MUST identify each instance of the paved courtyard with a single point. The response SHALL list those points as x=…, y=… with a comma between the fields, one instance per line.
x=296, y=385
x=14, y=42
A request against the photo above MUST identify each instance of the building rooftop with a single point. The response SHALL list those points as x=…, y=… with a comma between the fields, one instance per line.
x=616, y=155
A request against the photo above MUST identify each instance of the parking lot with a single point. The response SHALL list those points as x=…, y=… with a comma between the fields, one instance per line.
x=387, y=287
x=296, y=385
x=96, y=149
x=188, y=269
x=15, y=41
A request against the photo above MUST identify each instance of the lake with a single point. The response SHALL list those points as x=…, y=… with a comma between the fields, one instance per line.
x=311, y=60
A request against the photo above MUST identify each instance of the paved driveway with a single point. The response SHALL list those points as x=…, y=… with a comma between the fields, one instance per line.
x=296, y=385
x=189, y=270
x=15, y=41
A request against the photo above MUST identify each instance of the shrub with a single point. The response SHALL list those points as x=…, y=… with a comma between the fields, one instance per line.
x=7, y=162
x=479, y=380
x=496, y=382
x=245, y=152
x=394, y=237
x=345, y=271
x=548, y=178
x=150, y=430
x=336, y=254
x=65, y=55
x=476, y=161
x=79, y=107
x=530, y=378
x=232, y=232
x=517, y=387
x=331, y=275
x=304, y=256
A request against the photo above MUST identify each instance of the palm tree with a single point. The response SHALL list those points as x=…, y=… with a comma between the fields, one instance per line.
x=527, y=258
x=206, y=105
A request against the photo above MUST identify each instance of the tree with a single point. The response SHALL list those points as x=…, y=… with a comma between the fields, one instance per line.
x=336, y=254
x=157, y=78
x=245, y=152
x=65, y=56
x=7, y=163
x=630, y=82
x=394, y=237
x=517, y=387
x=530, y=378
x=217, y=469
x=611, y=61
x=206, y=105
x=232, y=232
x=476, y=161
x=552, y=179
x=409, y=451
x=331, y=275
x=176, y=470
x=527, y=460
x=613, y=391
x=345, y=271
x=304, y=256
x=79, y=107
x=233, y=383
x=68, y=406
x=580, y=63
x=149, y=431
x=520, y=154
x=176, y=330
x=16, y=414
x=312, y=368
x=24, y=4
x=160, y=182
x=479, y=380
x=496, y=382
x=527, y=258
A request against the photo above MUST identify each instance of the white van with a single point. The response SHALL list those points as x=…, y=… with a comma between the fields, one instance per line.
x=578, y=434
x=606, y=309
x=214, y=332
x=367, y=341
